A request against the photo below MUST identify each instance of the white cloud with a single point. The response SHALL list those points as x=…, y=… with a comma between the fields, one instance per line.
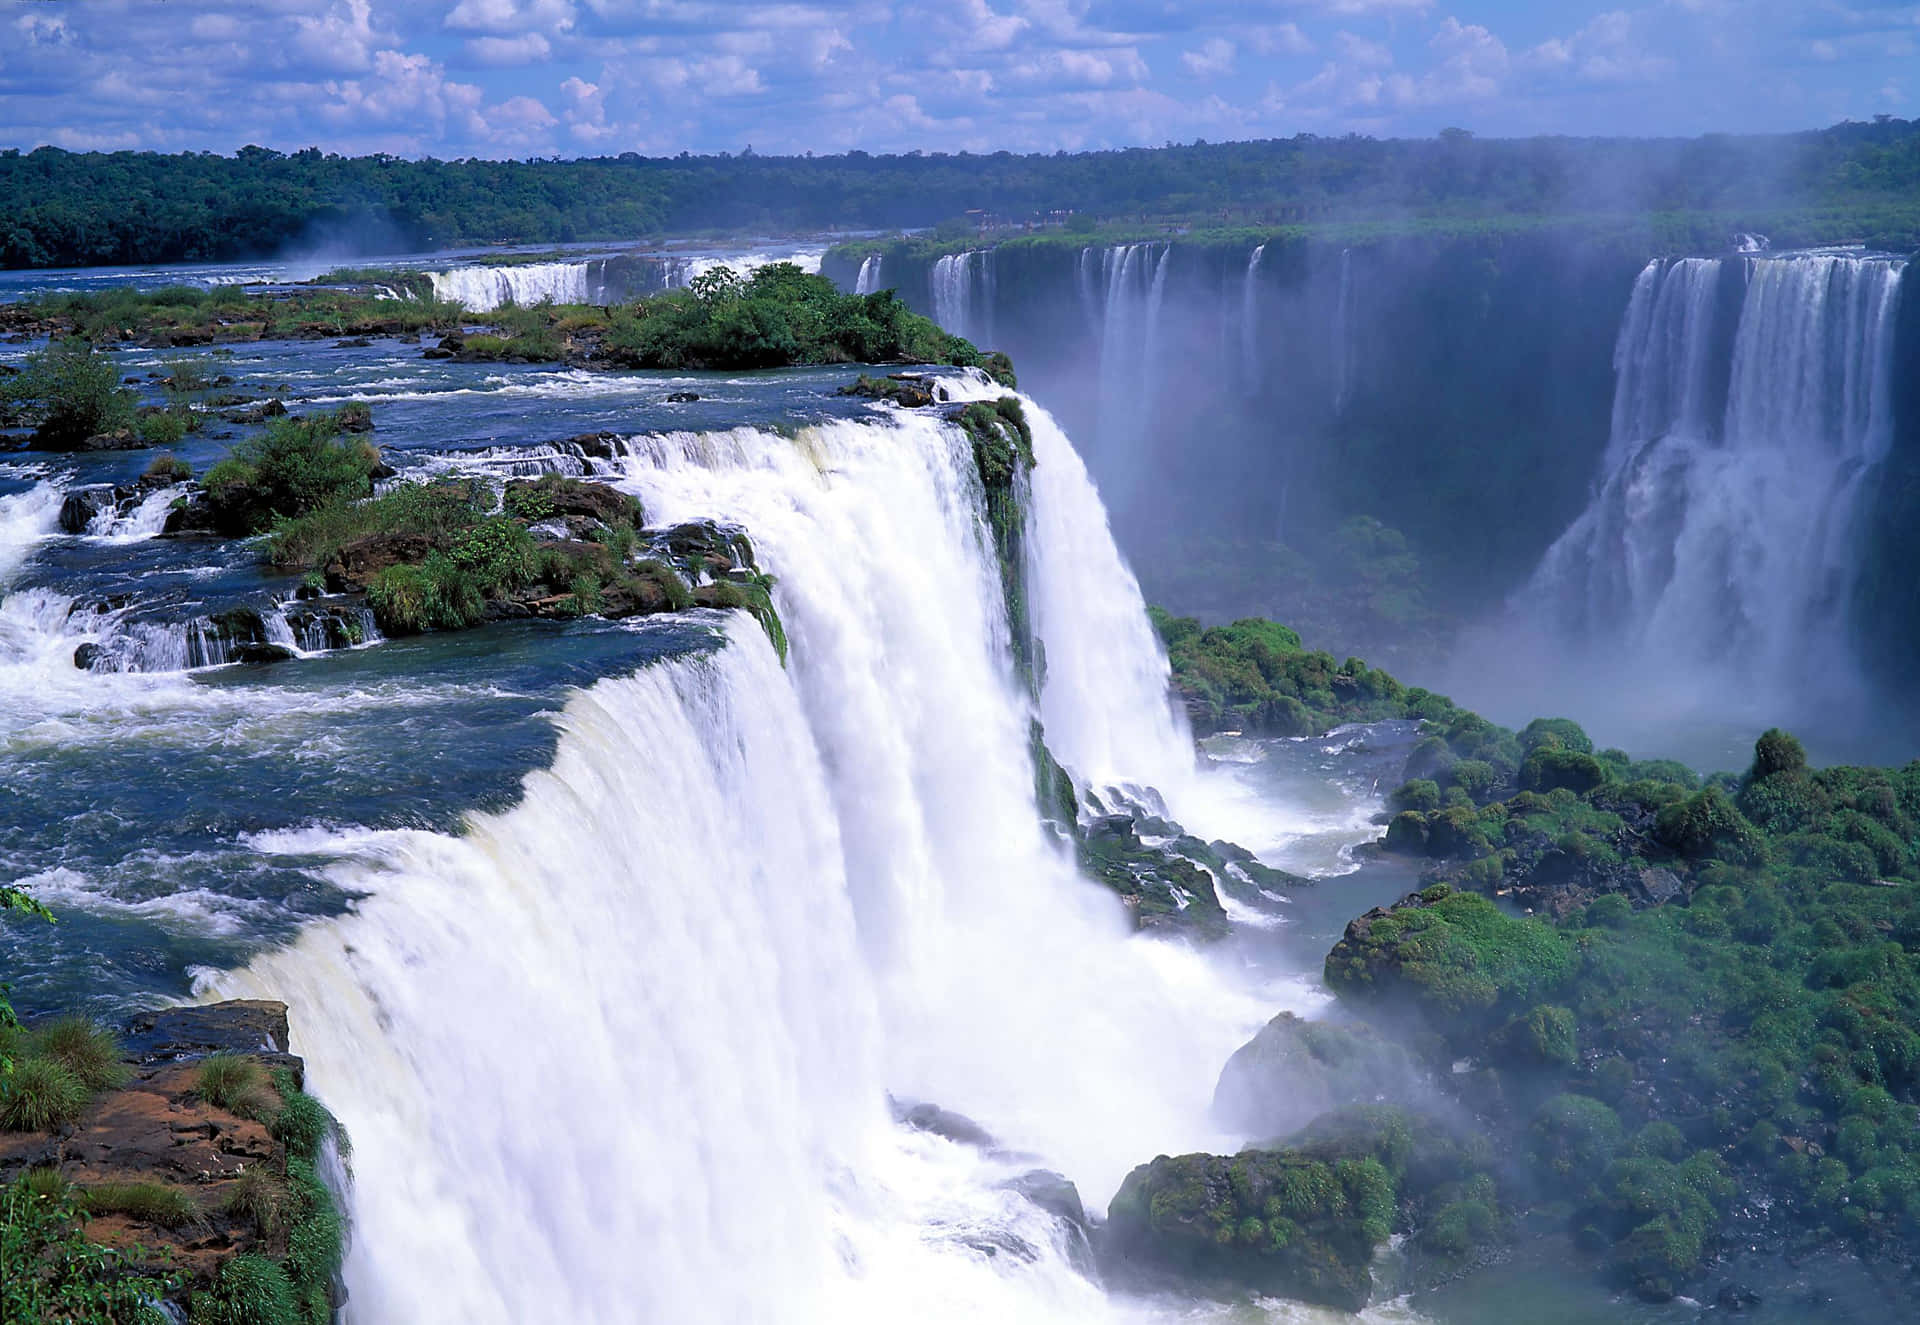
x=1213, y=59
x=1280, y=39
x=527, y=48
x=1359, y=51
x=341, y=40
x=1606, y=50
x=511, y=17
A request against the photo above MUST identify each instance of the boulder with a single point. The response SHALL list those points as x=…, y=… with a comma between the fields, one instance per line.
x=1295, y=1070
x=955, y=1127
x=359, y=561
x=1260, y=1221
x=682, y=397
x=77, y=512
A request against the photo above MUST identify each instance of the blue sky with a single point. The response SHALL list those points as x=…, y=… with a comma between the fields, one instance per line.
x=515, y=78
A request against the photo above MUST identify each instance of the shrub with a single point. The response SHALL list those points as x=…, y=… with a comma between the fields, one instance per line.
x=76, y=391
x=249, y=1290
x=167, y=468
x=86, y=1049
x=50, y=1271
x=1421, y=795
x=150, y=1202
x=434, y=595
x=1706, y=824
x=164, y=428
x=295, y=466
x=1549, y=767
x=260, y=1196
x=302, y=1125
x=1555, y=734
x=237, y=1084
x=1777, y=752
x=1575, y=1137
x=39, y=1095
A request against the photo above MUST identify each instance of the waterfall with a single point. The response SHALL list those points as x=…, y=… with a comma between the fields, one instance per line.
x=962, y=289
x=1135, y=284
x=25, y=519
x=483, y=289
x=623, y=1052
x=1344, y=359
x=1250, y=318
x=868, y=281
x=1721, y=538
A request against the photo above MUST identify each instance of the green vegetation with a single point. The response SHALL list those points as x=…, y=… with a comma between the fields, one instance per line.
x=296, y=466
x=1303, y=1220
x=777, y=317
x=125, y=207
x=149, y=1202
x=86, y=1049
x=238, y=1084
x=185, y=317
x=1254, y=676
x=40, y=1095
x=1767, y=1005
x=54, y=1071
x=74, y=394
x=51, y=1271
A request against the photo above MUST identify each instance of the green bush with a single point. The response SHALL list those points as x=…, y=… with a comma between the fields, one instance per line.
x=296, y=466
x=302, y=1125
x=1574, y=1137
x=91, y=1052
x=40, y=1095
x=434, y=595
x=237, y=1084
x=165, y=428
x=75, y=391
x=167, y=468
x=249, y=1290
x=50, y=1271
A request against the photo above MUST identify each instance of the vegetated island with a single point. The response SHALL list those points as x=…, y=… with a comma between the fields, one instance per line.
x=1663, y=1014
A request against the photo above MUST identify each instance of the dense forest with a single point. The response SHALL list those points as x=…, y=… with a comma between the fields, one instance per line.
x=70, y=209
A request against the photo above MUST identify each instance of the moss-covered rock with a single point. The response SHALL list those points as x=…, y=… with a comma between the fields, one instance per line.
x=1295, y=1070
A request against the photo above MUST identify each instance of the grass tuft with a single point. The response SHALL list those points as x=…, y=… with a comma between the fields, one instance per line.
x=41, y=1095
x=88, y=1050
x=150, y=1202
x=239, y=1085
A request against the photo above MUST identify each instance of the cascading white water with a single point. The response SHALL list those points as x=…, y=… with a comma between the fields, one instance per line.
x=961, y=286
x=622, y=1052
x=25, y=519
x=483, y=289
x=1720, y=542
x=1135, y=285
x=1250, y=357
x=868, y=279
x=1345, y=359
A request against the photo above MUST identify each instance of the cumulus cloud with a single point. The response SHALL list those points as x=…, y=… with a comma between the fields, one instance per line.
x=507, y=77
x=1214, y=57
x=523, y=49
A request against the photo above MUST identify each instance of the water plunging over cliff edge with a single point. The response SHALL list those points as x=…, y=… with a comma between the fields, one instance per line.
x=1717, y=559
x=624, y=1051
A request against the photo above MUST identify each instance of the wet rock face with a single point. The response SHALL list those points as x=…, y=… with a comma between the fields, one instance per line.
x=1295, y=1070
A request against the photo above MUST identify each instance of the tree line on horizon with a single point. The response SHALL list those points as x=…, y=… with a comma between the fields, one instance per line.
x=86, y=209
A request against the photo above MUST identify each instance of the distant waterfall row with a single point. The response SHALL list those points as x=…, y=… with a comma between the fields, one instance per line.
x=1753, y=403
x=481, y=289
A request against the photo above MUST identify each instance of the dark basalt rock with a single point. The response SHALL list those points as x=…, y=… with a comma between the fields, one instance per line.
x=85, y=656
x=263, y=653
x=364, y=558
x=243, y=1026
x=955, y=1127
x=1736, y=1297
x=1053, y=1193
x=83, y=504
x=682, y=397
